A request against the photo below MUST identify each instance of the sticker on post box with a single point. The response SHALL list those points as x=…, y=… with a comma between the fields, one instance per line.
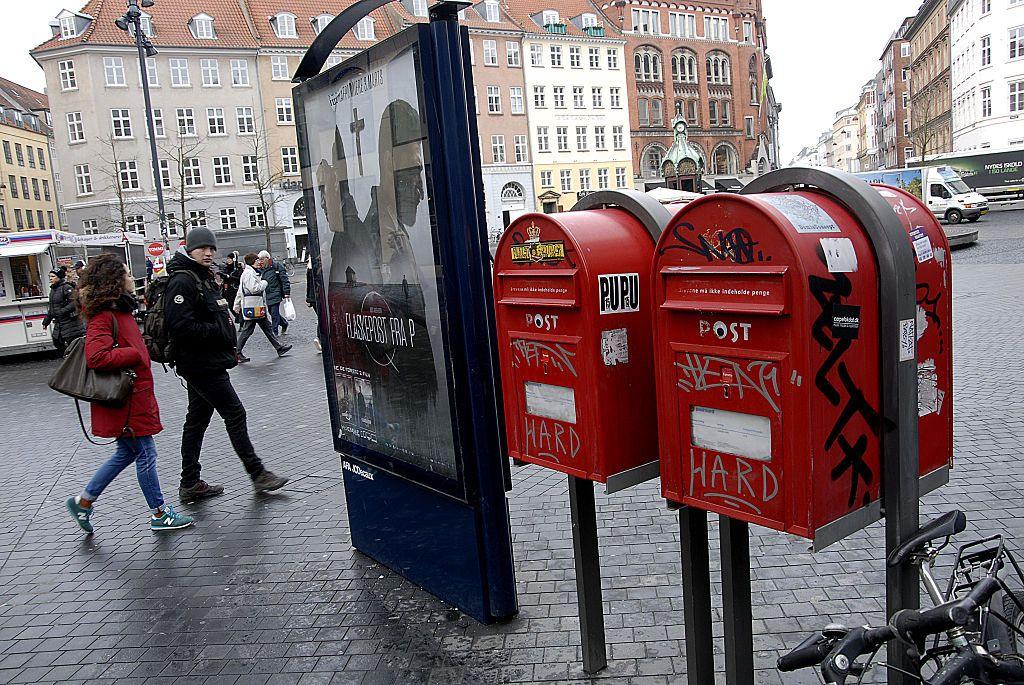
x=922, y=245
x=618, y=293
x=614, y=347
x=840, y=255
x=720, y=430
x=549, y=251
x=845, y=321
x=550, y=401
x=805, y=216
x=908, y=340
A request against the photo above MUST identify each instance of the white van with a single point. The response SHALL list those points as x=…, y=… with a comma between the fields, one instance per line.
x=940, y=188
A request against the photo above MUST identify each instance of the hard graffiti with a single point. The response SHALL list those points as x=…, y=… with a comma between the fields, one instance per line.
x=734, y=486
x=700, y=373
x=539, y=354
x=551, y=440
x=735, y=245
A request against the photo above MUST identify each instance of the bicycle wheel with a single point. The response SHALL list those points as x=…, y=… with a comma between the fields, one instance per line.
x=1000, y=638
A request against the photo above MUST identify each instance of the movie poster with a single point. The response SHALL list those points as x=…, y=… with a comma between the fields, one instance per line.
x=368, y=165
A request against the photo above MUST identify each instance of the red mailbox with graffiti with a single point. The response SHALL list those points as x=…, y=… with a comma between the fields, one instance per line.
x=767, y=349
x=575, y=337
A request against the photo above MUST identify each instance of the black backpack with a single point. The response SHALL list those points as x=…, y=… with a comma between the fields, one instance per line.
x=154, y=327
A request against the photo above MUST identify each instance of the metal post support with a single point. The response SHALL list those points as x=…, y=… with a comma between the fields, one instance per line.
x=736, y=610
x=693, y=548
x=588, y=574
x=898, y=362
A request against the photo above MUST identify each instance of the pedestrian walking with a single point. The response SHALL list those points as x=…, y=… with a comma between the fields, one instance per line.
x=106, y=295
x=278, y=289
x=198, y=319
x=231, y=274
x=251, y=305
x=62, y=313
x=311, y=302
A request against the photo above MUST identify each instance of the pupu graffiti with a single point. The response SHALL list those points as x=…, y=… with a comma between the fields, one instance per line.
x=735, y=245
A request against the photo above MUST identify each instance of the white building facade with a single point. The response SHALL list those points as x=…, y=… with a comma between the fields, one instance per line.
x=987, y=52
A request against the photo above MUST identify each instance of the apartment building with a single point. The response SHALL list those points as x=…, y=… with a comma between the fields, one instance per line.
x=28, y=188
x=894, y=100
x=867, y=127
x=707, y=62
x=987, y=50
x=845, y=131
x=931, y=98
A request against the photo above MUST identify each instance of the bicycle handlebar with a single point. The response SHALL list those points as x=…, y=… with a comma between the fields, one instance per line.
x=810, y=652
x=914, y=626
x=836, y=654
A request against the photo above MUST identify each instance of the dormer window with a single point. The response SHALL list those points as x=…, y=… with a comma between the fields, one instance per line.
x=284, y=25
x=202, y=26
x=321, y=22
x=147, y=26
x=419, y=8
x=491, y=11
x=67, y=27
x=549, y=17
x=364, y=29
x=588, y=20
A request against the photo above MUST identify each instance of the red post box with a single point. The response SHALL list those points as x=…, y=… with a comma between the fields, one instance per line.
x=574, y=334
x=768, y=359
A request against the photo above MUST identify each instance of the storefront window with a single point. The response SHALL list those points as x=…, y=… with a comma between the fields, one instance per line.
x=25, y=274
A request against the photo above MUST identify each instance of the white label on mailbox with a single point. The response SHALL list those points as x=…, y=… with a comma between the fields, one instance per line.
x=618, y=293
x=550, y=401
x=839, y=255
x=614, y=347
x=744, y=435
x=805, y=216
x=908, y=340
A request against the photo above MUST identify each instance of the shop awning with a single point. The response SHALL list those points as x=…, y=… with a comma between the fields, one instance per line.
x=22, y=249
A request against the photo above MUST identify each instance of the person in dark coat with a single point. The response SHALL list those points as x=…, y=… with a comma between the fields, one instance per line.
x=311, y=301
x=62, y=312
x=278, y=289
x=231, y=274
x=201, y=328
x=106, y=293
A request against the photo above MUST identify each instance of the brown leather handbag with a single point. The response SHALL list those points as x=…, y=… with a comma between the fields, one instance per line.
x=74, y=378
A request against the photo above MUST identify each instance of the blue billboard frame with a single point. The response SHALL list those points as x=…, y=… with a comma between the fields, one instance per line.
x=451, y=538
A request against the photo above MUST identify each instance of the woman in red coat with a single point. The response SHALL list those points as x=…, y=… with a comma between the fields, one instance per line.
x=106, y=294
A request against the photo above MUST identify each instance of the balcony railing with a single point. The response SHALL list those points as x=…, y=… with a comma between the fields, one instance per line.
x=594, y=31
x=557, y=29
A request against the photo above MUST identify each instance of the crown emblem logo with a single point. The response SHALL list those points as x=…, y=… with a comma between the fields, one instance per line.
x=533, y=233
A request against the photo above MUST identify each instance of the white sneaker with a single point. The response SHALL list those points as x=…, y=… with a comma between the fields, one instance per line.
x=318, y=346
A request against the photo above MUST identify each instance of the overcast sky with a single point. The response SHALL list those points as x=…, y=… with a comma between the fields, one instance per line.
x=822, y=53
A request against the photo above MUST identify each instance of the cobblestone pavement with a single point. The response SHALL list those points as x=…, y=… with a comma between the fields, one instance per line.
x=268, y=589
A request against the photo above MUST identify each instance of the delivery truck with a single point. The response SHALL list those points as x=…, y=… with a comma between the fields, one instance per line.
x=939, y=187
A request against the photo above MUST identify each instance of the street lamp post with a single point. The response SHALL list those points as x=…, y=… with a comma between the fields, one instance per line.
x=133, y=19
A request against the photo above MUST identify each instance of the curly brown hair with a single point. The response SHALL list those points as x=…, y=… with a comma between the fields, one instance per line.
x=101, y=285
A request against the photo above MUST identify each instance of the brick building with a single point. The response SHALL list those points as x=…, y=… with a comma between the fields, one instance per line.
x=931, y=93
x=708, y=63
x=894, y=100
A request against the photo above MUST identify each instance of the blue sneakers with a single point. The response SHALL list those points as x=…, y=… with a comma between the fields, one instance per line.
x=80, y=514
x=171, y=520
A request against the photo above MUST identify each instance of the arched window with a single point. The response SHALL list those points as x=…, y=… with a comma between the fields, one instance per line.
x=752, y=67
x=364, y=29
x=284, y=25
x=719, y=69
x=651, y=159
x=684, y=66
x=657, y=113
x=647, y=64
x=299, y=212
x=320, y=22
x=512, y=192
x=723, y=159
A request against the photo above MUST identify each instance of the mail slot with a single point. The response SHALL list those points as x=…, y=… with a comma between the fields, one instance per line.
x=768, y=364
x=575, y=339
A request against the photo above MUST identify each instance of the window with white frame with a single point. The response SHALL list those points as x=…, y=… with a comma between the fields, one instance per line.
x=617, y=139
x=289, y=161
x=68, y=80
x=647, y=64
x=581, y=138
x=602, y=179
x=490, y=53
x=682, y=25
x=545, y=179
x=121, y=123
x=165, y=173
x=587, y=20
x=493, y=100
x=1017, y=42
x=498, y=149
x=620, y=176
x=539, y=99
x=113, y=71
x=68, y=28
x=543, y=143
x=577, y=97
x=419, y=8
x=584, y=179
x=599, y=140
x=684, y=66
x=1016, y=97
x=512, y=54
x=562, y=138
x=135, y=223
x=320, y=22
x=76, y=129
x=279, y=67
x=555, y=53
x=565, y=179
x=904, y=49
x=228, y=219
x=491, y=11
x=179, y=72
x=284, y=25
x=333, y=59
x=210, y=71
x=986, y=101
x=646, y=21
x=559, y=95
x=613, y=58
x=197, y=218
x=548, y=17
x=718, y=68
x=365, y=30
x=246, y=120
x=147, y=26
x=257, y=219
x=596, y=97
x=192, y=172
x=250, y=169
x=748, y=126
x=575, y=57
x=128, y=174
x=285, y=115
x=83, y=179
x=239, y=73
x=186, y=121
x=215, y=121
x=515, y=100
x=202, y=26
x=594, y=57
x=614, y=98
x=90, y=227
x=716, y=28
x=152, y=76
x=536, y=55
x=521, y=150
x=748, y=32
x=221, y=171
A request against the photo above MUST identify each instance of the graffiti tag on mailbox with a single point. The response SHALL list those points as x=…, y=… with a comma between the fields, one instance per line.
x=539, y=354
x=735, y=245
x=733, y=480
x=702, y=372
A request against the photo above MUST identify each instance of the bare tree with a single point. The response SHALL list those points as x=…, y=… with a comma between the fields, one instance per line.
x=117, y=169
x=262, y=177
x=178, y=154
x=925, y=126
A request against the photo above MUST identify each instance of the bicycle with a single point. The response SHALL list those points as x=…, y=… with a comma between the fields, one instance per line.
x=977, y=649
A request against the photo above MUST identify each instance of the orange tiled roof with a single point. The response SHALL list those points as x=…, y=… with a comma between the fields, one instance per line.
x=523, y=11
x=25, y=99
x=474, y=18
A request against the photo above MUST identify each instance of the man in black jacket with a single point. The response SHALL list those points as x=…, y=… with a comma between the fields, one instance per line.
x=62, y=312
x=278, y=289
x=199, y=321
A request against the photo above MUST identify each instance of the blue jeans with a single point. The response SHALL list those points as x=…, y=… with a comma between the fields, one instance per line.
x=276, y=322
x=143, y=452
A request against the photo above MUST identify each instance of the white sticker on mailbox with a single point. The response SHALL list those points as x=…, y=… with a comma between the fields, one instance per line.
x=550, y=401
x=840, y=256
x=805, y=216
x=908, y=340
x=614, y=347
x=618, y=293
x=744, y=435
